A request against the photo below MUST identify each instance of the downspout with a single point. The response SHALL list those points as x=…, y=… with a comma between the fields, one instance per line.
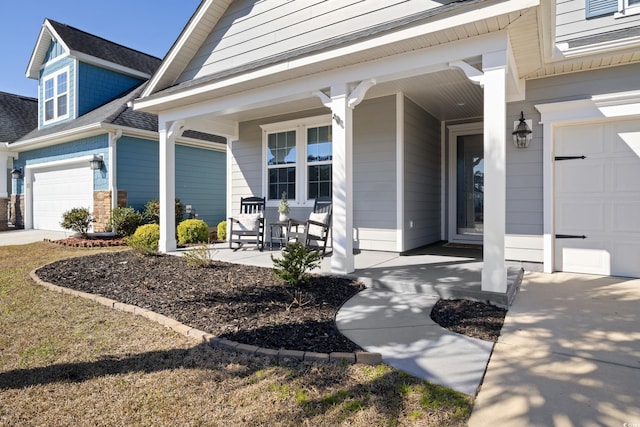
x=113, y=179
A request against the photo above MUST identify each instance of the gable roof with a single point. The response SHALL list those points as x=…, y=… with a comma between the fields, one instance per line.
x=117, y=113
x=187, y=44
x=18, y=116
x=92, y=49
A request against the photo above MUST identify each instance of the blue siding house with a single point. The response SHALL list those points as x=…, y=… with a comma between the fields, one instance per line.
x=84, y=114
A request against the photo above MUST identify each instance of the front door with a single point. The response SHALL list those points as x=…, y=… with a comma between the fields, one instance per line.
x=466, y=183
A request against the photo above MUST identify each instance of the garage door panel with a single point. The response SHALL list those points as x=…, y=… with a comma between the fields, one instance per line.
x=57, y=190
x=574, y=177
x=599, y=197
x=574, y=137
x=583, y=256
x=625, y=217
x=573, y=219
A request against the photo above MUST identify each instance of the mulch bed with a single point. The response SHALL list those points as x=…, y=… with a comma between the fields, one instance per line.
x=244, y=303
x=238, y=302
x=89, y=241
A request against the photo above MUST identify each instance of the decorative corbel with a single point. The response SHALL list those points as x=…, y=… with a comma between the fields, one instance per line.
x=476, y=76
x=357, y=95
x=175, y=131
x=324, y=98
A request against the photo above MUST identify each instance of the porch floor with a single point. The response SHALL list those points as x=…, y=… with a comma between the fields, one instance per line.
x=392, y=316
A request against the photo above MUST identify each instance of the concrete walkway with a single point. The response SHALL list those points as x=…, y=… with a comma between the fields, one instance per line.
x=392, y=316
x=23, y=237
x=568, y=355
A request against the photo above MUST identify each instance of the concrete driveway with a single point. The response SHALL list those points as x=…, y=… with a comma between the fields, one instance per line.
x=569, y=355
x=23, y=237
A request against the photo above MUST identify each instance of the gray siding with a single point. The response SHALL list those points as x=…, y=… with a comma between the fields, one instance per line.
x=571, y=22
x=375, y=174
x=421, y=177
x=251, y=31
x=524, y=166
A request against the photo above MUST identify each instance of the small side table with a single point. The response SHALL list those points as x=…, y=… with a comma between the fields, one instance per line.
x=282, y=228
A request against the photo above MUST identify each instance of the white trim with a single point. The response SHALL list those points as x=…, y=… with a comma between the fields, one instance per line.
x=229, y=178
x=476, y=128
x=89, y=59
x=556, y=114
x=468, y=15
x=113, y=162
x=400, y=225
x=626, y=9
x=28, y=183
x=299, y=126
x=54, y=78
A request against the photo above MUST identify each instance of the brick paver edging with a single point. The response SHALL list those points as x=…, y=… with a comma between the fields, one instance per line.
x=221, y=343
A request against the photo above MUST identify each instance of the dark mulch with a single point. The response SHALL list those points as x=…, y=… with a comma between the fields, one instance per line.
x=471, y=318
x=89, y=241
x=244, y=303
x=238, y=302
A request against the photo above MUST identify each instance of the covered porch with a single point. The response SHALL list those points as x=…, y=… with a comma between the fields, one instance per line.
x=439, y=270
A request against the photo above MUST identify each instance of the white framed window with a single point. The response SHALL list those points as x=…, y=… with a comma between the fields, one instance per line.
x=619, y=8
x=56, y=96
x=298, y=160
x=628, y=7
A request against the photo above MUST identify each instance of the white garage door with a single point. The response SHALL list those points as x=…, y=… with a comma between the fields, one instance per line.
x=57, y=190
x=597, y=199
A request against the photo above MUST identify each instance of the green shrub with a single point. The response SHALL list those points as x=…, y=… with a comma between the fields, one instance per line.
x=125, y=221
x=193, y=231
x=151, y=212
x=295, y=262
x=145, y=239
x=222, y=230
x=78, y=220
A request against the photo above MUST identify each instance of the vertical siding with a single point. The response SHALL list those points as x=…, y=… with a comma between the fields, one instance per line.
x=97, y=86
x=48, y=70
x=571, y=21
x=200, y=176
x=374, y=174
x=251, y=31
x=83, y=147
x=422, y=176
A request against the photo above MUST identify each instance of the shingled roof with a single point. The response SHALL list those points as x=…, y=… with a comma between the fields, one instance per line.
x=116, y=112
x=81, y=41
x=18, y=116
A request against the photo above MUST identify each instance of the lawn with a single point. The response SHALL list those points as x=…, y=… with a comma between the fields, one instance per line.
x=69, y=361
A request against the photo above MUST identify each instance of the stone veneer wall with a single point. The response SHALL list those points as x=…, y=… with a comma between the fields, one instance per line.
x=101, y=210
x=4, y=212
x=17, y=210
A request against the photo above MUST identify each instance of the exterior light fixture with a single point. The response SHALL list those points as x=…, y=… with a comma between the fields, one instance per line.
x=16, y=173
x=96, y=163
x=522, y=133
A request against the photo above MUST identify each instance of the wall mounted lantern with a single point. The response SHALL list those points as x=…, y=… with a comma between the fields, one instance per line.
x=96, y=163
x=16, y=173
x=522, y=133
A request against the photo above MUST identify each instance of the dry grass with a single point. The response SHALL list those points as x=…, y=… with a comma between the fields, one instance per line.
x=67, y=361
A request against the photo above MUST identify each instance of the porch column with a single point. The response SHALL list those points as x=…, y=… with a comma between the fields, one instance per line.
x=342, y=257
x=167, y=144
x=494, y=271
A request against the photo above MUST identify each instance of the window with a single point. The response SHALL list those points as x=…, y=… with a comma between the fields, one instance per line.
x=606, y=7
x=319, y=157
x=56, y=98
x=298, y=159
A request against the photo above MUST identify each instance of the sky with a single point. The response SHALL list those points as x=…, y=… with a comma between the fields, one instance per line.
x=150, y=26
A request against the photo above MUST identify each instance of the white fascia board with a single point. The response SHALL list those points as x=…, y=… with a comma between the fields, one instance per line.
x=154, y=136
x=47, y=33
x=58, y=138
x=108, y=65
x=396, y=67
x=565, y=52
x=473, y=15
x=182, y=40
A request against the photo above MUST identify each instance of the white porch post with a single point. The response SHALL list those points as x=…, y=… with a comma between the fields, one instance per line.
x=342, y=258
x=167, y=144
x=4, y=163
x=494, y=271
